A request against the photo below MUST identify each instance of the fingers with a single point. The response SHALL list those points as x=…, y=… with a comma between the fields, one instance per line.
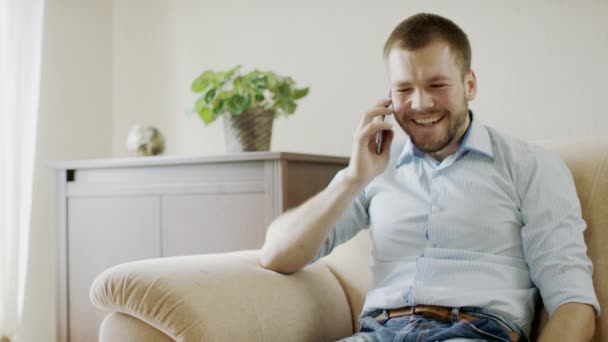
x=384, y=102
x=381, y=108
x=371, y=129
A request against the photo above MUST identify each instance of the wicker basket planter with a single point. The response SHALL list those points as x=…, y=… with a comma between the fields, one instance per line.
x=248, y=131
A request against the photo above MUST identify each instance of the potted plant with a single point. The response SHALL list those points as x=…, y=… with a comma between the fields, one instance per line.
x=248, y=102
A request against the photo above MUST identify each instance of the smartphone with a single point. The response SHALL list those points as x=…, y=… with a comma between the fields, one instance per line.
x=380, y=134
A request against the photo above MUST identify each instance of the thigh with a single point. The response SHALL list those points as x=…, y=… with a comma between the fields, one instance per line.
x=373, y=331
x=483, y=329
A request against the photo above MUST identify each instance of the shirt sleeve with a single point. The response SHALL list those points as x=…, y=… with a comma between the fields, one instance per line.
x=552, y=234
x=354, y=219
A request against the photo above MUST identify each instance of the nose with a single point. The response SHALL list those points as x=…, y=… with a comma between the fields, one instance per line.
x=421, y=100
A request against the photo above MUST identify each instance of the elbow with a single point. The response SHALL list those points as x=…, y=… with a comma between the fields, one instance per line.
x=274, y=261
x=267, y=260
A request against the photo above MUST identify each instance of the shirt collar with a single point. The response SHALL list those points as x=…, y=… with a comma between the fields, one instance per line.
x=475, y=139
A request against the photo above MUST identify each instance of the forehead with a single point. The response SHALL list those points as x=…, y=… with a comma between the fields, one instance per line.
x=432, y=61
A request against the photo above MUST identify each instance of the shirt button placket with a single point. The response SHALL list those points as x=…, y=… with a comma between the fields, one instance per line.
x=434, y=208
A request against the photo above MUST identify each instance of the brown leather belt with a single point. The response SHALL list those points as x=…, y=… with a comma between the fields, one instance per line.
x=439, y=313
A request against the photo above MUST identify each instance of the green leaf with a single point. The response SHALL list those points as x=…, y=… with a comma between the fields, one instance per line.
x=300, y=93
x=199, y=85
x=232, y=71
x=204, y=110
x=289, y=107
x=237, y=84
x=247, y=101
x=209, y=95
x=259, y=81
x=236, y=104
x=272, y=80
x=203, y=81
x=200, y=104
x=207, y=115
x=284, y=90
x=219, y=107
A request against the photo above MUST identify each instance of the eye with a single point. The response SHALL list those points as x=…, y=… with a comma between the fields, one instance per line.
x=404, y=90
x=438, y=85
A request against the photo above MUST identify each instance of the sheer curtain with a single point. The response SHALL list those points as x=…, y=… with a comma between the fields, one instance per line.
x=20, y=49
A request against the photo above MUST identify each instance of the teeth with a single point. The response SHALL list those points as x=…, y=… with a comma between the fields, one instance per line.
x=428, y=121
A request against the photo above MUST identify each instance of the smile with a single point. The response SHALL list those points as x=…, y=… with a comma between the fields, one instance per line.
x=428, y=121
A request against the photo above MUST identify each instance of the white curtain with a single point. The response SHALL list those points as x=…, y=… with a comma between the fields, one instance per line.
x=20, y=55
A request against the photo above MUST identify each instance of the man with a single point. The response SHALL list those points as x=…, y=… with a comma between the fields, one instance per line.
x=466, y=223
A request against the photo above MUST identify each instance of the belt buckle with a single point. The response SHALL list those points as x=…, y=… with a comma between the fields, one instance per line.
x=382, y=316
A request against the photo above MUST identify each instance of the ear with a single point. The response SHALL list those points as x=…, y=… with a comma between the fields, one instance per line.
x=470, y=85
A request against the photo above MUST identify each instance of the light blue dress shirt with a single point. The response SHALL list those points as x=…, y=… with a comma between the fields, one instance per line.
x=485, y=227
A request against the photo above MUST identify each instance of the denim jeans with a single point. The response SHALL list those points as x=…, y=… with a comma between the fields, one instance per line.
x=420, y=329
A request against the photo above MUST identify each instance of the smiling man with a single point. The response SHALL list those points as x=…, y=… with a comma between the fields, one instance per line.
x=431, y=87
x=467, y=224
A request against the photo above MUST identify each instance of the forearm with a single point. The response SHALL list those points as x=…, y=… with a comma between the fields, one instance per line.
x=570, y=322
x=295, y=237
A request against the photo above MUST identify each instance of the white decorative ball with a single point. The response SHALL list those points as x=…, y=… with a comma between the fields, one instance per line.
x=145, y=141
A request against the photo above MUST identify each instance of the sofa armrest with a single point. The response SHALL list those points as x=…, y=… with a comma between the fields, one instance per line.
x=226, y=297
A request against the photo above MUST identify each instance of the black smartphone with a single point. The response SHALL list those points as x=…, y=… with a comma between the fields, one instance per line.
x=380, y=134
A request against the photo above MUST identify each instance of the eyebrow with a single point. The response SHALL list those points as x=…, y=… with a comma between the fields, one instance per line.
x=401, y=84
x=436, y=78
x=439, y=78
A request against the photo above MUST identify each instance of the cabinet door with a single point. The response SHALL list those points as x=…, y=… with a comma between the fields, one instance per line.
x=103, y=232
x=214, y=222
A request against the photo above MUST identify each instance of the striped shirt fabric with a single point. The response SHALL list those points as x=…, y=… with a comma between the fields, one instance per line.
x=488, y=226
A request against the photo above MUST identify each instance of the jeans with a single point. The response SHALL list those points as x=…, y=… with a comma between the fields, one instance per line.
x=415, y=328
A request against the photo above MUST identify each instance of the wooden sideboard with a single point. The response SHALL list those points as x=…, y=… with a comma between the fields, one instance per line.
x=118, y=210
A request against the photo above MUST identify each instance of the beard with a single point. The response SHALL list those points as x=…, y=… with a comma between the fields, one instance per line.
x=441, y=136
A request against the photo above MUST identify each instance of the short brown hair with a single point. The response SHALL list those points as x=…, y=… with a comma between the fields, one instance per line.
x=422, y=29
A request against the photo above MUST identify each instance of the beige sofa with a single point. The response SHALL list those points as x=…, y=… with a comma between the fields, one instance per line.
x=229, y=297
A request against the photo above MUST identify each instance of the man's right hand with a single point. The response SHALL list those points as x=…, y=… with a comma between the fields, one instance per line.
x=296, y=236
x=364, y=163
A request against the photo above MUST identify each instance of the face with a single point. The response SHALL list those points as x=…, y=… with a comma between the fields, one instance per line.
x=430, y=97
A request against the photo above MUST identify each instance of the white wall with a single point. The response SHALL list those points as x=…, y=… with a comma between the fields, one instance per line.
x=539, y=64
x=75, y=122
x=110, y=63
x=143, y=68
